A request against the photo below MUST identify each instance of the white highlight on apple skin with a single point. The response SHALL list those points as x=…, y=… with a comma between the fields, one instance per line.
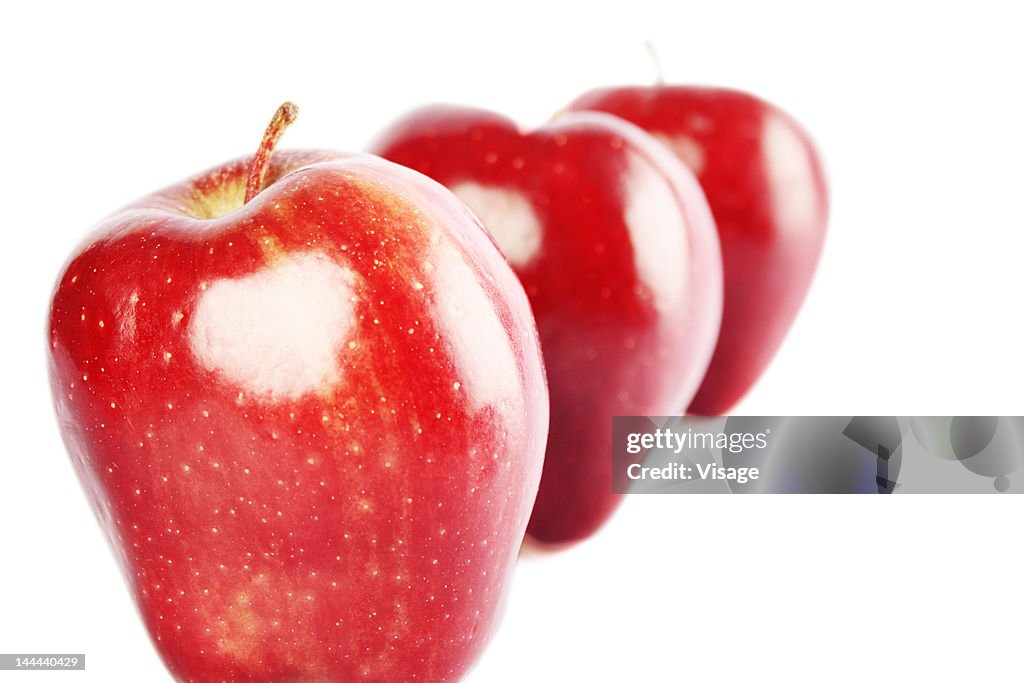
x=653, y=215
x=276, y=333
x=789, y=167
x=507, y=215
x=481, y=348
x=126, y=317
x=687, y=149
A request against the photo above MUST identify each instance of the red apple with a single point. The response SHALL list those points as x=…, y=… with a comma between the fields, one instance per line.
x=312, y=425
x=764, y=182
x=614, y=243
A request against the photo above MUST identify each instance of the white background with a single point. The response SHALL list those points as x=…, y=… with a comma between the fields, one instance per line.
x=915, y=310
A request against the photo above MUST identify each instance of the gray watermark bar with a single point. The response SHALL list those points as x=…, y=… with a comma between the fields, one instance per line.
x=821, y=454
x=37, y=662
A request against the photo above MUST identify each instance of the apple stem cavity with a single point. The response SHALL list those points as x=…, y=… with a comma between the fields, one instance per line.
x=283, y=117
x=659, y=73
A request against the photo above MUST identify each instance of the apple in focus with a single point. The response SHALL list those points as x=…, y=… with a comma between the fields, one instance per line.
x=614, y=244
x=305, y=396
x=763, y=178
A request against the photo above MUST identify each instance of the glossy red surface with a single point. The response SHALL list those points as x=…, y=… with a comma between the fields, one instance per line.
x=312, y=428
x=764, y=182
x=614, y=245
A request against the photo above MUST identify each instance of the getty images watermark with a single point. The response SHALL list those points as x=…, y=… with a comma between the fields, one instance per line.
x=817, y=454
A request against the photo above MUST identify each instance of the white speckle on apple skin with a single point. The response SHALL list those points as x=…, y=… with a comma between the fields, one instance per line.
x=276, y=332
x=507, y=215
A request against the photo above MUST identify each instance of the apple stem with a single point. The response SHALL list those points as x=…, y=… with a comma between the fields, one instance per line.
x=284, y=115
x=658, y=72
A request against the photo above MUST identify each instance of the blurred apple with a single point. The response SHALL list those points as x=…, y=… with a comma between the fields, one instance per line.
x=764, y=181
x=614, y=243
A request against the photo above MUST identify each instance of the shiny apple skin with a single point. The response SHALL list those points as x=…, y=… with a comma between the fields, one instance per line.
x=353, y=521
x=627, y=307
x=763, y=178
